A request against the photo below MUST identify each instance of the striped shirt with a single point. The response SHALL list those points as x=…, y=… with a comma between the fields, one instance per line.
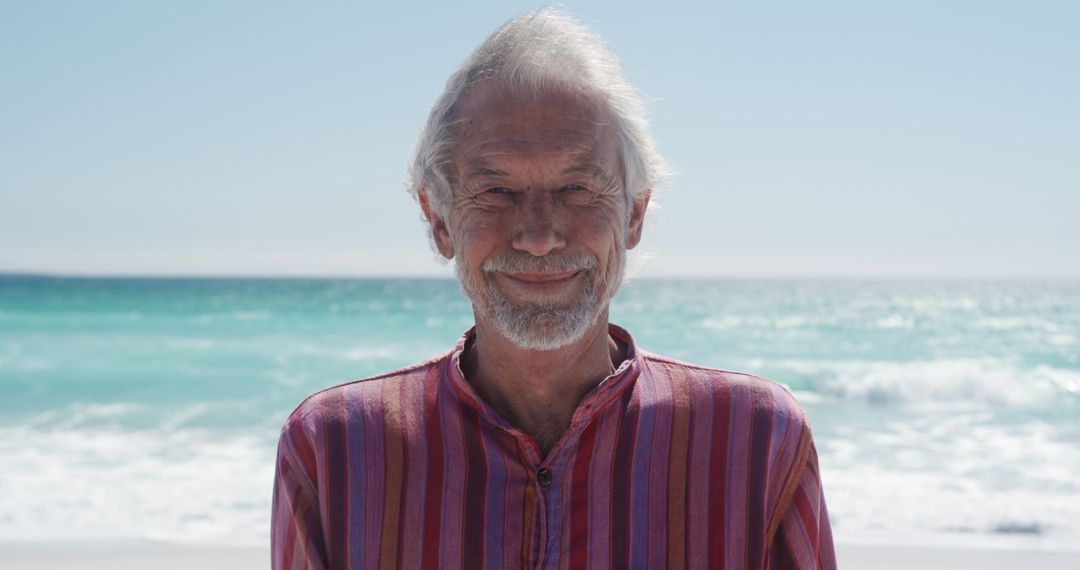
x=664, y=465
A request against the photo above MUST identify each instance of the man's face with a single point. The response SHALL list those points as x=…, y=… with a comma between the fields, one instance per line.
x=539, y=220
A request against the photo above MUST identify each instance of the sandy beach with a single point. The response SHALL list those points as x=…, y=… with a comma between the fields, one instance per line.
x=858, y=557
x=131, y=556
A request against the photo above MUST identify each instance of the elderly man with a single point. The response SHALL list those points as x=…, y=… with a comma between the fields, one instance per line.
x=545, y=438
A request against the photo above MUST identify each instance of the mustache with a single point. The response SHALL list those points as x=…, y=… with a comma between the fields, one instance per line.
x=550, y=263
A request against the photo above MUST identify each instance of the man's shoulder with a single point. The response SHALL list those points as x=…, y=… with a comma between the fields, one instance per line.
x=333, y=401
x=757, y=413
x=741, y=388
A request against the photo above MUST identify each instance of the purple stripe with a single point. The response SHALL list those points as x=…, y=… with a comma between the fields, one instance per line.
x=759, y=456
x=495, y=504
x=698, y=487
x=601, y=477
x=410, y=547
x=517, y=478
x=659, y=468
x=370, y=400
x=454, y=479
x=552, y=507
x=780, y=424
x=357, y=456
x=319, y=477
x=639, y=503
x=737, y=464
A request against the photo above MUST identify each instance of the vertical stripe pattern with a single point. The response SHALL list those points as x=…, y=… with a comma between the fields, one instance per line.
x=664, y=465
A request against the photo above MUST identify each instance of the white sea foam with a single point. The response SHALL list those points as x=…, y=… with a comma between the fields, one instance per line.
x=895, y=321
x=937, y=475
x=343, y=352
x=1010, y=323
x=781, y=322
x=1063, y=340
x=110, y=484
x=936, y=304
x=953, y=478
x=931, y=383
x=727, y=322
x=80, y=415
x=1065, y=380
x=186, y=415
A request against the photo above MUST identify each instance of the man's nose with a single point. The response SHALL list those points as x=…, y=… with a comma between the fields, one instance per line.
x=540, y=228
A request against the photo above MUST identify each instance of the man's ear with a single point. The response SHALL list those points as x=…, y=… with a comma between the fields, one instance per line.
x=638, y=205
x=440, y=232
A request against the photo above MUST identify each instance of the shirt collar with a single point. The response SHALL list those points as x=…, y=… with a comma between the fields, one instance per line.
x=595, y=401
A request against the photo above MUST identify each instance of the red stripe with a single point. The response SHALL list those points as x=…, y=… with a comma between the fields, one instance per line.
x=337, y=481
x=305, y=452
x=718, y=473
x=530, y=500
x=579, y=499
x=285, y=480
x=678, y=472
x=806, y=514
x=620, y=483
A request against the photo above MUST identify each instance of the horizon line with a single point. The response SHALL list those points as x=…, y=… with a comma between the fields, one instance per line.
x=6, y=274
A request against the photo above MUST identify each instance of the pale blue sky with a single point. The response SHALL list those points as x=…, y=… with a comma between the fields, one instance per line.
x=824, y=139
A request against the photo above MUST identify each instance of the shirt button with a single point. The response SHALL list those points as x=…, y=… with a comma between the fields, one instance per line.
x=543, y=477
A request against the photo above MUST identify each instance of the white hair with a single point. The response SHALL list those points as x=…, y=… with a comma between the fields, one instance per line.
x=539, y=51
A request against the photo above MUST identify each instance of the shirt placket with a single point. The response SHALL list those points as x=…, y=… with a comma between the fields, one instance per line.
x=541, y=477
x=546, y=473
x=546, y=476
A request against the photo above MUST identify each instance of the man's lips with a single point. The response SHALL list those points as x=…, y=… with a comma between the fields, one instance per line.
x=543, y=278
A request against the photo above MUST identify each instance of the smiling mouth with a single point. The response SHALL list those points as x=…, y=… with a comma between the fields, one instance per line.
x=543, y=278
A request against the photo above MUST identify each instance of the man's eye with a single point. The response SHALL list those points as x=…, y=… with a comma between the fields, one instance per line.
x=498, y=190
x=573, y=187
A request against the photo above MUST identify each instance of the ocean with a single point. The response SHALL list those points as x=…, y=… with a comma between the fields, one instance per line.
x=945, y=412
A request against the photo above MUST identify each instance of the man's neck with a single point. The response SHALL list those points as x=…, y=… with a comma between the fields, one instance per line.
x=538, y=391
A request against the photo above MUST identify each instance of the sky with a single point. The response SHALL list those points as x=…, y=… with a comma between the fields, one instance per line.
x=886, y=139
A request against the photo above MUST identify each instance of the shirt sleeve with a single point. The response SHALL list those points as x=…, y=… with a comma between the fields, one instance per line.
x=296, y=536
x=803, y=540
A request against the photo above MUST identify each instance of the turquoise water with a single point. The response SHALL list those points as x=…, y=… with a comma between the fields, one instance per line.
x=945, y=412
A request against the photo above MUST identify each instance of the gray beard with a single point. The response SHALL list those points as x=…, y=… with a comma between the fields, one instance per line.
x=539, y=325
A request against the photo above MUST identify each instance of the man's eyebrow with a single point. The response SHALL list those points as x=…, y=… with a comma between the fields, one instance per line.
x=587, y=168
x=482, y=168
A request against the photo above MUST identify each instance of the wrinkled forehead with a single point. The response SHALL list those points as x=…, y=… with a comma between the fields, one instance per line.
x=492, y=121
